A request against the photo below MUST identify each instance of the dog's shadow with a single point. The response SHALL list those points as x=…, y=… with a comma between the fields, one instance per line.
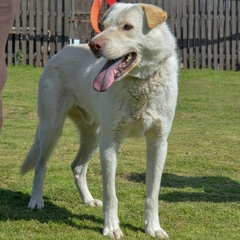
x=12, y=207
x=209, y=189
x=197, y=189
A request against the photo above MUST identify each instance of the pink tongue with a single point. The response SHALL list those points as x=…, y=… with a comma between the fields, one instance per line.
x=106, y=76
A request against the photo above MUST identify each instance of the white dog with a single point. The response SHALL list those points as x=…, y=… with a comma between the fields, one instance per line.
x=130, y=89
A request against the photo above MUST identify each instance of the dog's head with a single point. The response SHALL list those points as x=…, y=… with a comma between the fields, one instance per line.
x=135, y=40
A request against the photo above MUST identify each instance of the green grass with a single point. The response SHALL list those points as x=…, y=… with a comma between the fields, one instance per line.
x=200, y=194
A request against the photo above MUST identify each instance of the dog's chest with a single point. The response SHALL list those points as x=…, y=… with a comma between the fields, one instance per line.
x=143, y=99
x=142, y=108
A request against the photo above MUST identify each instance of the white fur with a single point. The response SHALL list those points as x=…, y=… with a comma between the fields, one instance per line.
x=141, y=103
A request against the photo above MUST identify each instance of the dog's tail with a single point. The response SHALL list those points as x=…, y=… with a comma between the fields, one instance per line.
x=31, y=158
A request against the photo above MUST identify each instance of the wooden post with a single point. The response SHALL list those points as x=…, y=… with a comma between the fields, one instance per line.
x=31, y=33
x=197, y=34
x=234, y=35
x=215, y=35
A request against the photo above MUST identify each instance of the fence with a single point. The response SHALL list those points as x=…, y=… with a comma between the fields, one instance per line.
x=207, y=31
x=40, y=29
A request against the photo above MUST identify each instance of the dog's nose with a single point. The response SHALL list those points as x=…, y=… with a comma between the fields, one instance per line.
x=96, y=45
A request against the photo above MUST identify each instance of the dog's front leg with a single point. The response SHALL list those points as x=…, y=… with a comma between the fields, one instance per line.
x=156, y=155
x=108, y=156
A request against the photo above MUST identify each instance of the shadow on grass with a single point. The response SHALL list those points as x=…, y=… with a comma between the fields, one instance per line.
x=208, y=189
x=13, y=207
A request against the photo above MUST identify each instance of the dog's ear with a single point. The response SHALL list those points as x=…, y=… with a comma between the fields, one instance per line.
x=154, y=15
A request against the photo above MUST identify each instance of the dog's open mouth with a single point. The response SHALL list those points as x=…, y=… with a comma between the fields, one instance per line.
x=112, y=70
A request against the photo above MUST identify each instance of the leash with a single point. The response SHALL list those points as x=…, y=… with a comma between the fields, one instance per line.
x=95, y=13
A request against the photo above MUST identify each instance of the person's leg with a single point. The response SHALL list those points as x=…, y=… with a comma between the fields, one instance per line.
x=8, y=9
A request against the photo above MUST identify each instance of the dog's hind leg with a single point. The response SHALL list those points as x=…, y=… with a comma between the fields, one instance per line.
x=51, y=119
x=88, y=147
x=48, y=135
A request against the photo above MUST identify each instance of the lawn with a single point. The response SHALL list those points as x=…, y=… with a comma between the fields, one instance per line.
x=200, y=194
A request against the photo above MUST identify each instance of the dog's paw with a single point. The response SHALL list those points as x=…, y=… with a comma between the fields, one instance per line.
x=94, y=203
x=36, y=203
x=111, y=228
x=156, y=232
x=113, y=233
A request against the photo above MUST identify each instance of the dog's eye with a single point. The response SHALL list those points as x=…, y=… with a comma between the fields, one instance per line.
x=127, y=27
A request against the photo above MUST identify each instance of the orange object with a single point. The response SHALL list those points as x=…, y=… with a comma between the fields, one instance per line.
x=95, y=13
